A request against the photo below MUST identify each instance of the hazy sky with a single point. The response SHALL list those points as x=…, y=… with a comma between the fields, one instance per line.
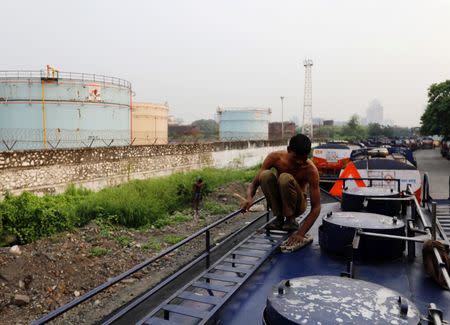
x=198, y=55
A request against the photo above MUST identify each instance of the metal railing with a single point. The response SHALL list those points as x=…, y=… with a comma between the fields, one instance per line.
x=79, y=76
x=205, y=255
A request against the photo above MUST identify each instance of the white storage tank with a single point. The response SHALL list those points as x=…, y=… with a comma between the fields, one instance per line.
x=237, y=124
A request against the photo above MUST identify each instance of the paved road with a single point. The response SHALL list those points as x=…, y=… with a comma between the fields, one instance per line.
x=438, y=169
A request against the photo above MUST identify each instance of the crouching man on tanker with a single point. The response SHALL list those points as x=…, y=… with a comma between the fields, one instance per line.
x=285, y=190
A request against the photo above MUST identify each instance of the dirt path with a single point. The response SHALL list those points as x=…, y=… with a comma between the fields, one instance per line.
x=53, y=271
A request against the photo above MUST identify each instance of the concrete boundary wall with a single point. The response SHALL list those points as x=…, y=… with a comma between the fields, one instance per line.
x=51, y=171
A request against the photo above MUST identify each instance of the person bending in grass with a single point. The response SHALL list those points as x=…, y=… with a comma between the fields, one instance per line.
x=285, y=190
x=197, y=195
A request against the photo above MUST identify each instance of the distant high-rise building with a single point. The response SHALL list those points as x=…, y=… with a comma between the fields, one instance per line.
x=375, y=112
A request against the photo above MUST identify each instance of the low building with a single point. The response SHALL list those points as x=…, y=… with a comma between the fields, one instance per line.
x=149, y=123
x=275, y=130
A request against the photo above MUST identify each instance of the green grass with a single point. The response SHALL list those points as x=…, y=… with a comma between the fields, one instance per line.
x=173, y=239
x=219, y=208
x=175, y=218
x=123, y=241
x=155, y=202
x=99, y=251
x=153, y=245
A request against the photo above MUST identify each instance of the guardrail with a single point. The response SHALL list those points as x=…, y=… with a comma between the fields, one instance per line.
x=30, y=74
x=205, y=255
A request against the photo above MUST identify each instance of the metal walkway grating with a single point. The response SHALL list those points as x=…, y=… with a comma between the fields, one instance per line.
x=443, y=215
x=200, y=299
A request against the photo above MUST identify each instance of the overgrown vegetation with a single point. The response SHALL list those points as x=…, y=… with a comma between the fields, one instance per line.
x=353, y=130
x=436, y=118
x=142, y=203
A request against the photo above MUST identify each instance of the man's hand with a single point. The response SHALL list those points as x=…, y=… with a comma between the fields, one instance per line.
x=294, y=239
x=245, y=205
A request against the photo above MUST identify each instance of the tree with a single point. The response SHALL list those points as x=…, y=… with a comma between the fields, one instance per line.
x=374, y=130
x=209, y=128
x=353, y=130
x=325, y=132
x=436, y=118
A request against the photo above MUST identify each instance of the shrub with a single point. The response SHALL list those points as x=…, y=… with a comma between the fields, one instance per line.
x=30, y=217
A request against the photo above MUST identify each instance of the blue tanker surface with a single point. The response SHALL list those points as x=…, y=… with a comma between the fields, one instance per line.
x=408, y=278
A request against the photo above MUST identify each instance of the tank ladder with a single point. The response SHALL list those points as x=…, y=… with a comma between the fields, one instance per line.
x=201, y=298
x=443, y=215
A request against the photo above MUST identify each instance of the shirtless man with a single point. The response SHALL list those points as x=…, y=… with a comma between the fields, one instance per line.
x=286, y=191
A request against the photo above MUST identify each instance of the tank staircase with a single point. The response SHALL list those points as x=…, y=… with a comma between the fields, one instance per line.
x=199, y=300
x=443, y=215
x=439, y=208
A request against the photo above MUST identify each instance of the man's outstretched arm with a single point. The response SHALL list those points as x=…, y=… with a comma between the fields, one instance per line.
x=251, y=189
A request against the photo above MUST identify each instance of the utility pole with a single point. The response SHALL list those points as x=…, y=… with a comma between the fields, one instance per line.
x=307, y=128
x=282, y=118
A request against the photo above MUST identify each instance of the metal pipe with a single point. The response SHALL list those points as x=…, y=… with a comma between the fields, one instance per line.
x=410, y=245
x=425, y=189
x=435, y=314
x=282, y=120
x=433, y=220
x=420, y=213
x=208, y=245
x=374, y=234
x=442, y=266
x=408, y=198
x=44, y=128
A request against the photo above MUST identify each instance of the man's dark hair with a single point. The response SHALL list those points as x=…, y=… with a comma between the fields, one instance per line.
x=300, y=144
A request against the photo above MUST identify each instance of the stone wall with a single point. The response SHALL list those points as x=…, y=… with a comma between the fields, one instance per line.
x=50, y=171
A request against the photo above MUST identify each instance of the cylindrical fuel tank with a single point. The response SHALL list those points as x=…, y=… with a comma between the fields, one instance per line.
x=42, y=109
x=338, y=230
x=353, y=200
x=337, y=300
x=243, y=123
